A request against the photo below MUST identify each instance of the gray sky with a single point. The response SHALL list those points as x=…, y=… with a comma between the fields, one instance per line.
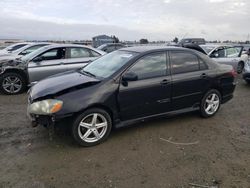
x=127, y=19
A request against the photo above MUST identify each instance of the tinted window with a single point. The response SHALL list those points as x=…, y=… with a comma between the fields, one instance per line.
x=79, y=52
x=150, y=66
x=110, y=48
x=203, y=65
x=184, y=62
x=53, y=54
x=16, y=47
x=218, y=53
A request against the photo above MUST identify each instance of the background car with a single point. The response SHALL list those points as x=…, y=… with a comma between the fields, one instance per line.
x=15, y=75
x=12, y=47
x=131, y=85
x=224, y=54
x=110, y=47
x=25, y=50
x=246, y=72
x=198, y=41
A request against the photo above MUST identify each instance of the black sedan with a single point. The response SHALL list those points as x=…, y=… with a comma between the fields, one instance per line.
x=131, y=85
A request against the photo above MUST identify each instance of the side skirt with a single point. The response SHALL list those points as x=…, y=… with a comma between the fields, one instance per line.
x=120, y=124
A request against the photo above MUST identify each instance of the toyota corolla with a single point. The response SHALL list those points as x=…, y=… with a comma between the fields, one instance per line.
x=131, y=85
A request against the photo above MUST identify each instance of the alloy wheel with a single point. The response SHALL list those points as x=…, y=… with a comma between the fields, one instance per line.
x=212, y=103
x=12, y=84
x=92, y=127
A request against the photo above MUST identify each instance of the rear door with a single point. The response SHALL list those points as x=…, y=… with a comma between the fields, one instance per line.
x=50, y=62
x=151, y=93
x=77, y=57
x=190, y=79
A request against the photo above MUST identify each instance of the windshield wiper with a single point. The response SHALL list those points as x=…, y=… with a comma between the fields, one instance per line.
x=88, y=73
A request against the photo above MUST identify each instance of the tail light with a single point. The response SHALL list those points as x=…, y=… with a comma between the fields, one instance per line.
x=233, y=73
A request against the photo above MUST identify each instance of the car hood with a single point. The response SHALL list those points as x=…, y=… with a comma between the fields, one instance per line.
x=9, y=62
x=61, y=83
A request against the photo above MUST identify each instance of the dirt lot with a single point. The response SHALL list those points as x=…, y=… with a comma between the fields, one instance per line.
x=132, y=157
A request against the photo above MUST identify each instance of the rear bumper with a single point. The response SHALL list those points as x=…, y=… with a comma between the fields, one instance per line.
x=246, y=76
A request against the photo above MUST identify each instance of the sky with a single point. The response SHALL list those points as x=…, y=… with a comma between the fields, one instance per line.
x=127, y=19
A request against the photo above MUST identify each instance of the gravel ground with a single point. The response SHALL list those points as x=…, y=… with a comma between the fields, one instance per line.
x=138, y=156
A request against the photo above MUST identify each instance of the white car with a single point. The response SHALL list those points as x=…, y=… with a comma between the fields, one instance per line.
x=12, y=47
x=246, y=71
x=22, y=51
x=225, y=54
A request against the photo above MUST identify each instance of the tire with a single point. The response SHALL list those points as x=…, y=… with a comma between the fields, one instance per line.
x=240, y=67
x=12, y=83
x=207, y=101
x=85, y=129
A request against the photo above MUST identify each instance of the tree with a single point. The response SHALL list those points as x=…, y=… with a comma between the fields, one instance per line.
x=176, y=40
x=144, y=41
x=116, y=39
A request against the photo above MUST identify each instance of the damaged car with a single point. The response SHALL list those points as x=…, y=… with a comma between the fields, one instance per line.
x=127, y=86
x=17, y=74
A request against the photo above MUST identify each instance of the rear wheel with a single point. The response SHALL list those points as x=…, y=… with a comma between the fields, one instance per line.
x=12, y=83
x=240, y=67
x=92, y=127
x=210, y=103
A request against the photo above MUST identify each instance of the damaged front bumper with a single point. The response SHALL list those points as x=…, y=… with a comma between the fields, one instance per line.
x=46, y=121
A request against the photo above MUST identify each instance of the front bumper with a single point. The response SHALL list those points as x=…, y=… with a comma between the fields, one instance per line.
x=41, y=120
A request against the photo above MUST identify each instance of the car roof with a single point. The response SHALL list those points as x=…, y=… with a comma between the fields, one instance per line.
x=141, y=49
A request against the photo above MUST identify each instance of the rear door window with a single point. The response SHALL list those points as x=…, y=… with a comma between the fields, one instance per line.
x=78, y=52
x=183, y=62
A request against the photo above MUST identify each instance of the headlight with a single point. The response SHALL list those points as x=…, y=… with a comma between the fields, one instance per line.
x=45, y=107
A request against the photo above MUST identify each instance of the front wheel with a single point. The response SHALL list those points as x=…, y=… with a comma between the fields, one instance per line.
x=240, y=67
x=12, y=83
x=92, y=127
x=210, y=103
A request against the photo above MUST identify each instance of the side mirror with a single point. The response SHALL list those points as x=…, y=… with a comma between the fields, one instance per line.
x=24, y=53
x=214, y=55
x=130, y=76
x=38, y=59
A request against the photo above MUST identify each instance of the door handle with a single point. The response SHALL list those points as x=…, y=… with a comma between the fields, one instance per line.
x=203, y=75
x=61, y=63
x=164, y=82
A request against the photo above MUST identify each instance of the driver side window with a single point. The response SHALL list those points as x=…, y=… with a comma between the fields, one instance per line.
x=219, y=53
x=53, y=54
x=150, y=66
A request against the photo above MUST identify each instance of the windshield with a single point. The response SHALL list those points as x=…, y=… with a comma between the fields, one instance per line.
x=207, y=48
x=33, y=54
x=108, y=64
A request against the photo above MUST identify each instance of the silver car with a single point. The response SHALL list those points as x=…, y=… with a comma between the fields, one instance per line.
x=225, y=54
x=15, y=75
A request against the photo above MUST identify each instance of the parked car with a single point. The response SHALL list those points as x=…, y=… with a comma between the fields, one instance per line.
x=198, y=41
x=15, y=75
x=22, y=51
x=246, y=72
x=110, y=47
x=130, y=85
x=224, y=54
x=12, y=47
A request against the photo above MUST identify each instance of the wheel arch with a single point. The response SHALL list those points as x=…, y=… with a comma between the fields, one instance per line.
x=18, y=71
x=100, y=106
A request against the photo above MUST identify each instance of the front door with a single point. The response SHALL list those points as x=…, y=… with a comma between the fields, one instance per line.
x=46, y=64
x=151, y=93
